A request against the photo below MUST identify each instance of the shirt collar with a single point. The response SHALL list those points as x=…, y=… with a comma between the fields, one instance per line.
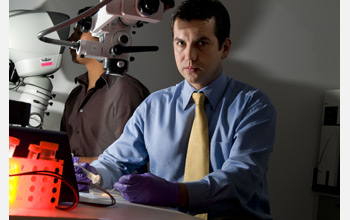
x=101, y=81
x=82, y=79
x=213, y=91
x=105, y=79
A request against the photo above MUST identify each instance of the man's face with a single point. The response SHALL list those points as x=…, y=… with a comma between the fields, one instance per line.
x=196, y=50
x=76, y=36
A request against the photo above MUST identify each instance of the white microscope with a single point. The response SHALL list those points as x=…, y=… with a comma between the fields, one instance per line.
x=32, y=61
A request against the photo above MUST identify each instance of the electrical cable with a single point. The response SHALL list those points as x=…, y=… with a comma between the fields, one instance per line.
x=113, y=202
x=66, y=23
x=13, y=76
x=70, y=185
x=17, y=85
x=53, y=174
x=325, y=146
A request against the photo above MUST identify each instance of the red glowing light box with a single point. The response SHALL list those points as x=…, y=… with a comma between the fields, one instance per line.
x=29, y=136
x=34, y=191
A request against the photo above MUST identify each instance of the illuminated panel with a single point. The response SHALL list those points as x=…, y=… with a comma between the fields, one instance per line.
x=13, y=168
x=34, y=191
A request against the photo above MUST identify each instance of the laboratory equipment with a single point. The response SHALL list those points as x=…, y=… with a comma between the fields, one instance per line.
x=32, y=61
x=34, y=151
x=28, y=136
x=13, y=143
x=326, y=176
x=32, y=181
x=329, y=151
x=48, y=150
x=113, y=24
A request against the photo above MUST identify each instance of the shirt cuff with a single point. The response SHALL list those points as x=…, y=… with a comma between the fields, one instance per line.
x=198, y=192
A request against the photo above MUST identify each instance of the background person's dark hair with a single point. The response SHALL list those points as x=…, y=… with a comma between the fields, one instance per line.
x=205, y=9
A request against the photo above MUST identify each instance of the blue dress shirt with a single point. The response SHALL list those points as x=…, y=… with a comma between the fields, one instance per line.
x=241, y=132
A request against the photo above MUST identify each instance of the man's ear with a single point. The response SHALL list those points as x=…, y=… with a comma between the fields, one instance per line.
x=226, y=46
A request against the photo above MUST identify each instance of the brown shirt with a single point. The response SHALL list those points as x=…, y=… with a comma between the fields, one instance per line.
x=94, y=119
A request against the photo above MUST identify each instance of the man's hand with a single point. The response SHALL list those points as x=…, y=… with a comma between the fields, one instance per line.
x=84, y=173
x=148, y=189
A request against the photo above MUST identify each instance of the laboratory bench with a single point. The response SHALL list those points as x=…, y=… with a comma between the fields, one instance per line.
x=122, y=210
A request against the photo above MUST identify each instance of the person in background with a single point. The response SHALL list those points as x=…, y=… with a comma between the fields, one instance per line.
x=240, y=131
x=97, y=110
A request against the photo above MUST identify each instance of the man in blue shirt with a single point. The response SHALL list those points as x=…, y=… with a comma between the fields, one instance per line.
x=241, y=121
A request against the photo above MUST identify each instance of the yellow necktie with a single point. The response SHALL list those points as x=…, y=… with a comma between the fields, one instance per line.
x=197, y=158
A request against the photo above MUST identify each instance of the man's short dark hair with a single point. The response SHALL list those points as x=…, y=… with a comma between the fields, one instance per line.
x=203, y=10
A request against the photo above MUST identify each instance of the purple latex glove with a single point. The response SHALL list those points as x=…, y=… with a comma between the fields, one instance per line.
x=148, y=189
x=75, y=160
x=81, y=176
